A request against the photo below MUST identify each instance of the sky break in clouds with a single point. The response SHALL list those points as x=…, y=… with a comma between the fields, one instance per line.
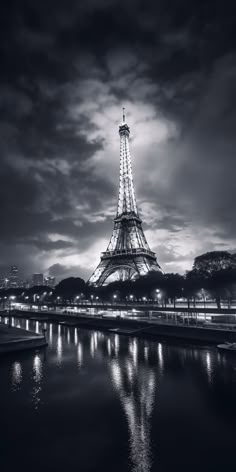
x=67, y=68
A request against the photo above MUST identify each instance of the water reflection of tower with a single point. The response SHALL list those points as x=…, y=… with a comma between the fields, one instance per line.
x=135, y=383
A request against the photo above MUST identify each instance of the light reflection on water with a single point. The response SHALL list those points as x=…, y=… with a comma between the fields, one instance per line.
x=50, y=334
x=117, y=344
x=76, y=336
x=80, y=354
x=133, y=348
x=109, y=346
x=16, y=375
x=137, y=399
x=37, y=381
x=59, y=349
x=37, y=327
x=160, y=355
x=95, y=340
x=135, y=368
x=92, y=348
x=209, y=368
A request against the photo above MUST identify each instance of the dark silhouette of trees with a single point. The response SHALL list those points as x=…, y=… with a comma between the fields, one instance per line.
x=215, y=272
x=39, y=290
x=154, y=286
x=173, y=286
x=214, y=261
x=70, y=288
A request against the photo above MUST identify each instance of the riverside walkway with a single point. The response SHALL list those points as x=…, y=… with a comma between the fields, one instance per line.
x=137, y=305
x=207, y=333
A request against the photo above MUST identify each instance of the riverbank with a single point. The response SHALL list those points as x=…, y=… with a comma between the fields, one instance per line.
x=141, y=328
x=17, y=339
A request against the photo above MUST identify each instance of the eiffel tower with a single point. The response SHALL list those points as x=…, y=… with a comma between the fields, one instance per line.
x=128, y=255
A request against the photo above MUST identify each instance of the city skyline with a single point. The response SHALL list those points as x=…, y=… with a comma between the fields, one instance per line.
x=15, y=278
x=62, y=92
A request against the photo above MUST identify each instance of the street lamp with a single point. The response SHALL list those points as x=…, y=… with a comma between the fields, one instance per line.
x=131, y=297
x=158, y=292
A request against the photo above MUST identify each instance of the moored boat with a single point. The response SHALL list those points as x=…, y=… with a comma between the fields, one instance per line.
x=231, y=347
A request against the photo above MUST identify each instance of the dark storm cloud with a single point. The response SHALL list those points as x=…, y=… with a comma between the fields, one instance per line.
x=63, y=67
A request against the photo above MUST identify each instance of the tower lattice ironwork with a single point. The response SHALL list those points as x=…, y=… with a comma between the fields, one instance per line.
x=128, y=254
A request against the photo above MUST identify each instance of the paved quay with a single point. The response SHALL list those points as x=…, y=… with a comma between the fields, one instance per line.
x=17, y=339
x=144, y=328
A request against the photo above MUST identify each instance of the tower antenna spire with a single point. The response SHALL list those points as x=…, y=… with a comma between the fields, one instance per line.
x=123, y=114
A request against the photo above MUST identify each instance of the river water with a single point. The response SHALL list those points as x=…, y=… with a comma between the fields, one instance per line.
x=102, y=402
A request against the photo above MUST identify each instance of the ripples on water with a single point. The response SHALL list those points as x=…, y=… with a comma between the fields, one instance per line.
x=93, y=401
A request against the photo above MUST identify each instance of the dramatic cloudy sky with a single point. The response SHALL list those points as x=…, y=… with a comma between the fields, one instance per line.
x=66, y=70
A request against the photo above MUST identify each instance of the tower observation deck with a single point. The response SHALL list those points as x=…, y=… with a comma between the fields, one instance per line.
x=128, y=255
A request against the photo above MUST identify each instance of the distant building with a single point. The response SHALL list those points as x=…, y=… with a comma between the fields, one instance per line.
x=50, y=281
x=24, y=283
x=37, y=279
x=27, y=283
x=14, y=277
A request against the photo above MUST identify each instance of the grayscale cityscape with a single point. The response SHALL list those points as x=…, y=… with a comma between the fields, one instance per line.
x=117, y=242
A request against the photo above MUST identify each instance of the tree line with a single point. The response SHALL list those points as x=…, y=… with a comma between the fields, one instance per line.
x=213, y=275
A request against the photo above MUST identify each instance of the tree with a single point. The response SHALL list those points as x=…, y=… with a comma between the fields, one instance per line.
x=173, y=286
x=39, y=290
x=214, y=261
x=216, y=272
x=70, y=287
x=146, y=285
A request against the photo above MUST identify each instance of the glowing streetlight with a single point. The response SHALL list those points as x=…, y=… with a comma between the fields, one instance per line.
x=158, y=293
